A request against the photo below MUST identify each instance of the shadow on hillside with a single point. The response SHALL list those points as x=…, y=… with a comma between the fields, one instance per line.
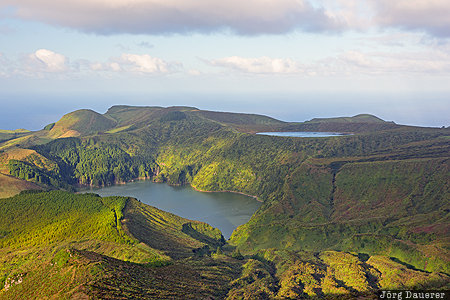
x=161, y=234
x=189, y=230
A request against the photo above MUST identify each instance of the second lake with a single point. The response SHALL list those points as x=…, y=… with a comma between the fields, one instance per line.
x=303, y=134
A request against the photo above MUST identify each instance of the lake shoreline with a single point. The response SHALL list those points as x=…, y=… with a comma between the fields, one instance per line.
x=83, y=188
x=225, y=210
x=226, y=191
x=305, y=134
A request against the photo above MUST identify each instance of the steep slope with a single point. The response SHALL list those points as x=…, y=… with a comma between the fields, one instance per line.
x=6, y=135
x=10, y=186
x=25, y=155
x=61, y=243
x=383, y=191
x=81, y=122
x=385, y=207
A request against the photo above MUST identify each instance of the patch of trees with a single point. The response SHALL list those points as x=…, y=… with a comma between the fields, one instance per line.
x=89, y=162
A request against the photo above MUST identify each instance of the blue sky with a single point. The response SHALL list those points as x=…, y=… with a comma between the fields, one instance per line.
x=291, y=59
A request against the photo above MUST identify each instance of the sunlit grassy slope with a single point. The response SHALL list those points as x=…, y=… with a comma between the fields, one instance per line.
x=377, y=199
x=81, y=122
x=62, y=245
x=54, y=238
x=10, y=186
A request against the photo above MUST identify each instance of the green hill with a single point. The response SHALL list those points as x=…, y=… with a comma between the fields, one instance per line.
x=377, y=199
x=361, y=118
x=20, y=130
x=355, y=124
x=81, y=122
x=138, y=116
x=62, y=245
x=237, y=118
x=9, y=186
x=57, y=243
x=6, y=135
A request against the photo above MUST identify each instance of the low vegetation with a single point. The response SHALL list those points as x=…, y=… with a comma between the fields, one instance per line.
x=341, y=216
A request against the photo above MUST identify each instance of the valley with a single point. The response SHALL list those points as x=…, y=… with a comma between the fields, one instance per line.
x=341, y=215
x=222, y=210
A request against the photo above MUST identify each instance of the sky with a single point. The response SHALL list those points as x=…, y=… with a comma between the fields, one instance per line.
x=291, y=59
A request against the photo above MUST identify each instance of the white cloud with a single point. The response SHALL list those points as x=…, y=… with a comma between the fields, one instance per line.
x=432, y=16
x=263, y=65
x=178, y=16
x=135, y=63
x=114, y=67
x=431, y=61
x=243, y=17
x=356, y=63
x=3, y=65
x=194, y=72
x=350, y=63
x=44, y=63
x=48, y=61
x=355, y=14
x=145, y=63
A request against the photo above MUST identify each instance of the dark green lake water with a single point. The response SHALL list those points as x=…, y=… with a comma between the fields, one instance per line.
x=225, y=211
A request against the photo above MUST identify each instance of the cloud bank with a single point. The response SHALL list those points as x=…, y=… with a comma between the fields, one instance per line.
x=261, y=65
x=432, y=16
x=45, y=63
x=48, y=61
x=177, y=16
x=349, y=63
x=250, y=17
x=132, y=64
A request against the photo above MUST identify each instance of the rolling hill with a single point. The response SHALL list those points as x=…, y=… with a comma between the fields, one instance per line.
x=10, y=186
x=62, y=245
x=57, y=243
x=361, y=118
x=376, y=200
x=81, y=122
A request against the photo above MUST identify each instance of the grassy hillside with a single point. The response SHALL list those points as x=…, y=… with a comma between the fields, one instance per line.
x=10, y=186
x=374, y=208
x=377, y=199
x=54, y=238
x=21, y=130
x=6, y=135
x=281, y=274
x=62, y=245
x=81, y=122
x=361, y=118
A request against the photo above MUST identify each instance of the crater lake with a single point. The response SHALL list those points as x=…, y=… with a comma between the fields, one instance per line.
x=223, y=210
x=303, y=134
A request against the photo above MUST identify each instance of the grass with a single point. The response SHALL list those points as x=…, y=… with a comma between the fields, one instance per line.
x=10, y=186
x=21, y=130
x=397, y=276
x=50, y=217
x=14, y=142
x=61, y=244
x=119, y=129
x=383, y=192
x=362, y=118
x=83, y=122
